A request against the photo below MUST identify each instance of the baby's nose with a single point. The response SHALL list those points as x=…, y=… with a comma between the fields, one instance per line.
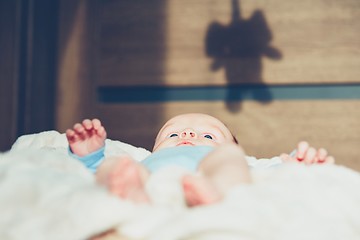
x=188, y=133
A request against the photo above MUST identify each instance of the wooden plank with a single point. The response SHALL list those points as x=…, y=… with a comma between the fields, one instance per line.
x=263, y=130
x=311, y=41
x=74, y=96
x=132, y=42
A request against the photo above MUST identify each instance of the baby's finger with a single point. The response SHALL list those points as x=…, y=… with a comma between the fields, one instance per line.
x=285, y=157
x=302, y=150
x=79, y=130
x=330, y=160
x=321, y=155
x=69, y=133
x=71, y=136
x=310, y=156
x=87, y=124
x=96, y=123
x=101, y=132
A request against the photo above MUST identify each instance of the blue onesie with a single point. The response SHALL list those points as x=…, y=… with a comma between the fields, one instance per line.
x=188, y=157
x=92, y=161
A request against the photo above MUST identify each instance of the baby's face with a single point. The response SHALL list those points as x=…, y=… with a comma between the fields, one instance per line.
x=193, y=129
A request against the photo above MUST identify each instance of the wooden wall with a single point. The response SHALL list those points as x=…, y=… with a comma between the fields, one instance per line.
x=222, y=44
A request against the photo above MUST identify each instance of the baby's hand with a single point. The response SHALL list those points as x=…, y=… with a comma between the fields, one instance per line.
x=86, y=137
x=308, y=155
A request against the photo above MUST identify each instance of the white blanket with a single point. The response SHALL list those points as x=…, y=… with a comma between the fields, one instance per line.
x=44, y=194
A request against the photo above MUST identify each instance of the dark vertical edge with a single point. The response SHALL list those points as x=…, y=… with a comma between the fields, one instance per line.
x=37, y=66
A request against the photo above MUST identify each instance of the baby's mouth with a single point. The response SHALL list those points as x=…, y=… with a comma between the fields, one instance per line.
x=185, y=143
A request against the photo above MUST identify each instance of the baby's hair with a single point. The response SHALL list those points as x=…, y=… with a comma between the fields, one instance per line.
x=234, y=139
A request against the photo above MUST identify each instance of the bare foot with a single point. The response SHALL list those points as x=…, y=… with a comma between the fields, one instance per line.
x=199, y=191
x=126, y=179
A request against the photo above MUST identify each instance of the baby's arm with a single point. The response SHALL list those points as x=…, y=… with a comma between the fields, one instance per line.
x=308, y=155
x=86, y=137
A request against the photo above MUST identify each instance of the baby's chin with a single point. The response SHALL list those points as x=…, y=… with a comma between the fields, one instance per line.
x=180, y=144
x=160, y=147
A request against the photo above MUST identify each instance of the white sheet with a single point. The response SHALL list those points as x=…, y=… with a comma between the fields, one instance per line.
x=44, y=194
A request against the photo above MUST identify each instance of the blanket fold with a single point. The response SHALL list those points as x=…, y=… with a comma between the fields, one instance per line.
x=45, y=194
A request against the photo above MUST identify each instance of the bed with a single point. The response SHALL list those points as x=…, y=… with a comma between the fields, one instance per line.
x=45, y=194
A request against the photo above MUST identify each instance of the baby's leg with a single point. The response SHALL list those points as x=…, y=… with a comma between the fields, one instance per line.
x=199, y=191
x=221, y=170
x=124, y=177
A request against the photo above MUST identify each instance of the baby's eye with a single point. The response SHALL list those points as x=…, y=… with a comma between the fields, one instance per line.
x=173, y=135
x=208, y=136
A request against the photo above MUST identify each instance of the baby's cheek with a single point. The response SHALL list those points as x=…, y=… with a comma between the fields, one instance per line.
x=211, y=143
x=162, y=144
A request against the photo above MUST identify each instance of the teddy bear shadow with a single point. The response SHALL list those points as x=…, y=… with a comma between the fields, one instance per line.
x=238, y=48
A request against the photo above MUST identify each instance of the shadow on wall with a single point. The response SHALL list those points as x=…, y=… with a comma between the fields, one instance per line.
x=238, y=48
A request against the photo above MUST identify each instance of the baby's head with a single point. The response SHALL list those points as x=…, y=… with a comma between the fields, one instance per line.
x=192, y=129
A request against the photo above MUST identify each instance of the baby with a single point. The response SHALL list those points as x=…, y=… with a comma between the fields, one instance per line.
x=197, y=142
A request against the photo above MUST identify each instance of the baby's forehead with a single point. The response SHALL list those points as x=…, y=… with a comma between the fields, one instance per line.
x=196, y=120
x=193, y=119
